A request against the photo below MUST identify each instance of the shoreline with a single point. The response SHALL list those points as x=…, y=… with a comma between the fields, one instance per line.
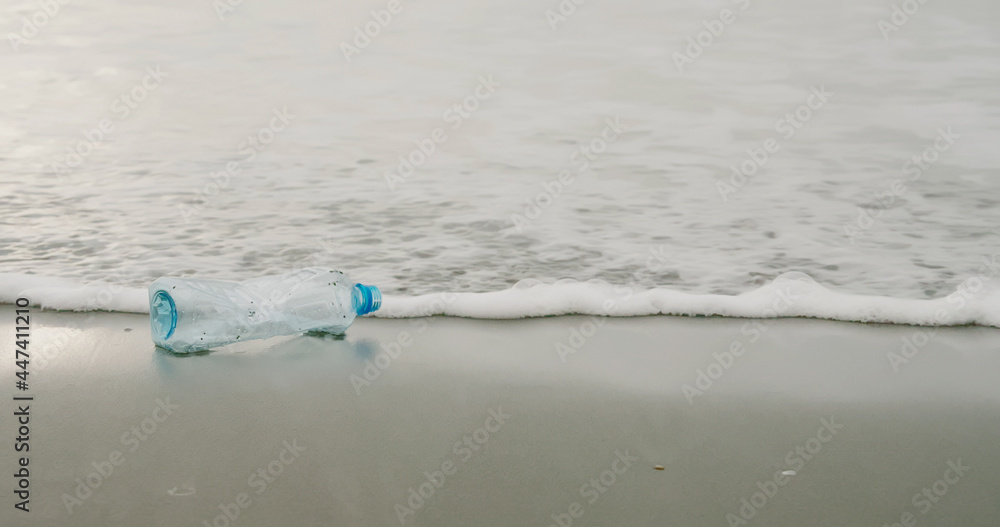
x=790, y=295
x=588, y=315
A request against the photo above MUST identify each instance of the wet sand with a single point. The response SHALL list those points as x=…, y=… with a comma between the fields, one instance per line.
x=552, y=421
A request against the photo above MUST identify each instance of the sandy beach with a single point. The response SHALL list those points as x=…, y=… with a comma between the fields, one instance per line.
x=553, y=421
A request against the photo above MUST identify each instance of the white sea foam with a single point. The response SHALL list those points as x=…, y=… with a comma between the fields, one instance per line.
x=69, y=295
x=976, y=302
x=536, y=183
x=525, y=187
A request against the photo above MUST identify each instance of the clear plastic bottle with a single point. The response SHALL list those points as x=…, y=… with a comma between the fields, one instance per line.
x=191, y=314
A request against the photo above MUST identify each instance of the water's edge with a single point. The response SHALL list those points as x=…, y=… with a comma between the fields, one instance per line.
x=791, y=295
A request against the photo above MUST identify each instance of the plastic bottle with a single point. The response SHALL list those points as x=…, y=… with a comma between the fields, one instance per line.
x=191, y=314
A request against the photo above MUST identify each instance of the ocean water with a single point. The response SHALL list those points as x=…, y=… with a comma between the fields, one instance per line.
x=568, y=158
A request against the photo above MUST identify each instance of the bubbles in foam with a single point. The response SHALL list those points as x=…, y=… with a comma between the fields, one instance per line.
x=793, y=294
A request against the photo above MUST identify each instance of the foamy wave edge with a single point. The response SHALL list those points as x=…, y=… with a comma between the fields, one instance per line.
x=792, y=294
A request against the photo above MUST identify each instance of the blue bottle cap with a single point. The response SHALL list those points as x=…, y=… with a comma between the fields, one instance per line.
x=365, y=299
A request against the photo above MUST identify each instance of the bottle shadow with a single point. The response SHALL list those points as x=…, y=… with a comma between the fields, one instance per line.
x=308, y=346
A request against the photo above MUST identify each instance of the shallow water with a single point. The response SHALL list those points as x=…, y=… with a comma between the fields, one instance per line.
x=142, y=201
